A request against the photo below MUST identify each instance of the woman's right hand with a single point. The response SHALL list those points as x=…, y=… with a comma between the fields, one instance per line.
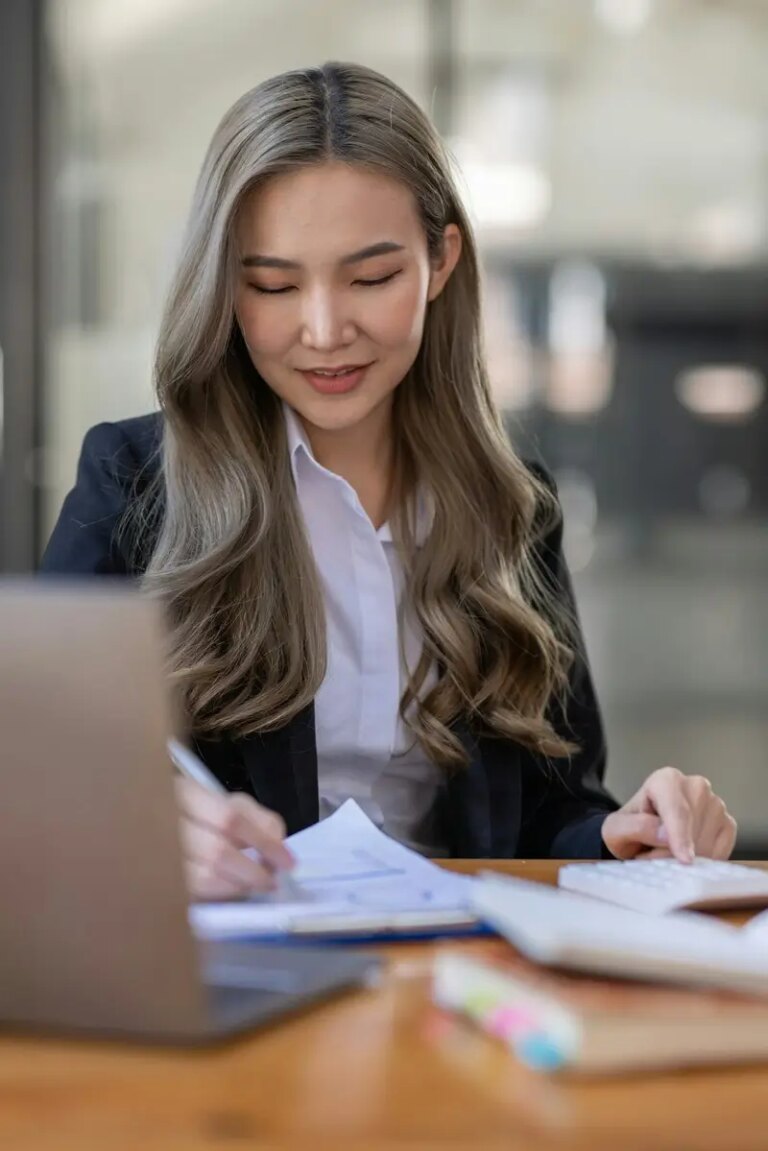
x=216, y=830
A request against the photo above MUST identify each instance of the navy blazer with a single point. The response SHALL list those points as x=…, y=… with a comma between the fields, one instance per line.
x=508, y=802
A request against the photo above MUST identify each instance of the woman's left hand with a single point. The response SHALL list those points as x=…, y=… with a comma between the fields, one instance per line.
x=671, y=814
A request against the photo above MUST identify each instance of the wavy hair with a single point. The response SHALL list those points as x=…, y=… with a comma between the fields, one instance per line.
x=230, y=558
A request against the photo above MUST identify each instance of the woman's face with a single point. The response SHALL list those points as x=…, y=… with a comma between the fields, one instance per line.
x=335, y=278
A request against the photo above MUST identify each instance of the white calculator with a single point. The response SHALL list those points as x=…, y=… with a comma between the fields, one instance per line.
x=656, y=886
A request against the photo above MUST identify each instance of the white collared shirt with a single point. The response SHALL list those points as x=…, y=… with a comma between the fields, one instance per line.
x=364, y=750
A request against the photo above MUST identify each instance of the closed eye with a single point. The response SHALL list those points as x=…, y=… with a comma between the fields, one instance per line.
x=381, y=280
x=272, y=291
x=291, y=288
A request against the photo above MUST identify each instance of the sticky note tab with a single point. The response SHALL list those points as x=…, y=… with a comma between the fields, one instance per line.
x=540, y=1052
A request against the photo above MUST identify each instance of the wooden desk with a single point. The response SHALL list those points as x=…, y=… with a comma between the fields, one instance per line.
x=374, y=1070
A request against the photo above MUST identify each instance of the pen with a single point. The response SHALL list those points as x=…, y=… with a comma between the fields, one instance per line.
x=193, y=768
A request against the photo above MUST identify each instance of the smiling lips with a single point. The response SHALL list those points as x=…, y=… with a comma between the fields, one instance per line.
x=335, y=381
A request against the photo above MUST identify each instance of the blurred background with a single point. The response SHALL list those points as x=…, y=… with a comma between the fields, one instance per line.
x=614, y=155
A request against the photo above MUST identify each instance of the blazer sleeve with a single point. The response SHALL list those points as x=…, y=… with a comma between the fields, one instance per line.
x=564, y=800
x=83, y=541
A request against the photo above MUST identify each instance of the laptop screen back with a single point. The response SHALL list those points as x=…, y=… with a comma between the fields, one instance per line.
x=92, y=896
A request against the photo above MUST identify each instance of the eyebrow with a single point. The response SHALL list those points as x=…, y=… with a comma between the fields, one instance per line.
x=382, y=249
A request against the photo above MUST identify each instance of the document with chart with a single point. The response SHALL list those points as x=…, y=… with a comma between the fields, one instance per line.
x=350, y=878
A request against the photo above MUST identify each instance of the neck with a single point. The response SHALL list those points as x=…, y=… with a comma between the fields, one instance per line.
x=363, y=456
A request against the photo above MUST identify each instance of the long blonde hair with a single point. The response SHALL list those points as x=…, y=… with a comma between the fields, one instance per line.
x=230, y=558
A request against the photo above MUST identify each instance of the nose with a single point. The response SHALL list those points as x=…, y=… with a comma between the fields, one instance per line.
x=325, y=324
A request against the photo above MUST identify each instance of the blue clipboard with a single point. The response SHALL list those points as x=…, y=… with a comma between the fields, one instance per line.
x=362, y=937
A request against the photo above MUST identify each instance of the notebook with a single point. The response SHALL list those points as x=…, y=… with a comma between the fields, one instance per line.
x=351, y=881
x=556, y=1021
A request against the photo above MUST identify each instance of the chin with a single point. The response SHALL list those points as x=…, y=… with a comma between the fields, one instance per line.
x=336, y=413
x=333, y=416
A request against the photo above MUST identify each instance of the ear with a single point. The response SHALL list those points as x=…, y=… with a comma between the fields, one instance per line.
x=445, y=261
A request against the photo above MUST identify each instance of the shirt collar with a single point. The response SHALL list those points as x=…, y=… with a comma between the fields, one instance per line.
x=299, y=445
x=298, y=442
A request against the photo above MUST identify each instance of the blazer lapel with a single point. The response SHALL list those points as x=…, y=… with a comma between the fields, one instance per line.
x=482, y=800
x=282, y=767
x=301, y=737
x=501, y=761
x=467, y=803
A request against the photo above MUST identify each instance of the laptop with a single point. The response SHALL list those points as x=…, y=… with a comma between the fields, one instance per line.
x=93, y=903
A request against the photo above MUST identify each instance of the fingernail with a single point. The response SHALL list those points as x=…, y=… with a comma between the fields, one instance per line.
x=661, y=834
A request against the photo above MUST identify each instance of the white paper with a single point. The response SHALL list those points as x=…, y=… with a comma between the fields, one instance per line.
x=347, y=872
x=757, y=929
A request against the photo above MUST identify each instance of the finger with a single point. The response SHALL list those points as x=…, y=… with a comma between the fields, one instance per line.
x=726, y=840
x=666, y=789
x=654, y=853
x=712, y=823
x=196, y=801
x=203, y=884
x=239, y=818
x=702, y=803
x=248, y=823
x=220, y=857
x=626, y=833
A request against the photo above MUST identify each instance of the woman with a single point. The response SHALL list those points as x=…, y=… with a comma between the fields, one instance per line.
x=365, y=586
